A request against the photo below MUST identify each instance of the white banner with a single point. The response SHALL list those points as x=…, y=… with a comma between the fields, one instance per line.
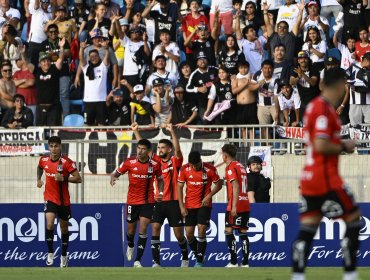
x=23, y=135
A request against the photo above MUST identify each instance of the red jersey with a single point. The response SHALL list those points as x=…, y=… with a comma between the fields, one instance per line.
x=236, y=171
x=360, y=51
x=198, y=183
x=141, y=178
x=188, y=25
x=170, y=172
x=54, y=190
x=320, y=173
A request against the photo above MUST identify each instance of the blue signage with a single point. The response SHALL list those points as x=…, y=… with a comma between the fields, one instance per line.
x=97, y=235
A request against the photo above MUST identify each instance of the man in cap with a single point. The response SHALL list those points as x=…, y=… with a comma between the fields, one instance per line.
x=40, y=17
x=306, y=78
x=65, y=26
x=184, y=110
x=161, y=99
x=258, y=185
x=47, y=82
x=141, y=108
x=118, y=106
x=160, y=63
x=314, y=19
x=201, y=80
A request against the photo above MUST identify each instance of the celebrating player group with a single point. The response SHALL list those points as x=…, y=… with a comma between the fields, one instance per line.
x=156, y=193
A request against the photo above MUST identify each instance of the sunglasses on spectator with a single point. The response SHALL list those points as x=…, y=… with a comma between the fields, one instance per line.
x=249, y=7
x=53, y=31
x=7, y=70
x=18, y=100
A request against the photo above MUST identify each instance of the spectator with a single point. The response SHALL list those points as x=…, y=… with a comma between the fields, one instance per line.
x=9, y=14
x=353, y=16
x=315, y=46
x=24, y=81
x=252, y=46
x=136, y=46
x=184, y=110
x=282, y=67
x=161, y=99
x=80, y=14
x=363, y=46
x=7, y=86
x=99, y=21
x=252, y=18
x=40, y=17
x=315, y=20
x=65, y=26
x=287, y=105
x=201, y=80
x=12, y=43
x=348, y=55
x=190, y=22
x=141, y=108
x=359, y=108
x=51, y=47
x=265, y=82
x=48, y=109
x=118, y=107
x=221, y=103
x=283, y=35
x=230, y=55
x=185, y=71
x=19, y=116
x=113, y=9
x=306, y=78
x=95, y=72
x=165, y=16
x=168, y=78
x=258, y=185
x=289, y=13
x=205, y=43
x=246, y=108
x=170, y=50
x=221, y=14
x=117, y=46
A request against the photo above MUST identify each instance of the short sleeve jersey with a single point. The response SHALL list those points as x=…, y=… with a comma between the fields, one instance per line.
x=170, y=171
x=235, y=171
x=141, y=177
x=198, y=183
x=320, y=174
x=55, y=190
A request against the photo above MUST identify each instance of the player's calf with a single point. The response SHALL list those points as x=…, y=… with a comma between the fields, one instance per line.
x=301, y=247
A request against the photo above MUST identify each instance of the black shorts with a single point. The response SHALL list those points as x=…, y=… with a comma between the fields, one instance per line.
x=170, y=210
x=134, y=212
x=246, y=113
x=96, y=113
x=238, y=222
x=333, y=205
x=199, y=216
x=63, y=212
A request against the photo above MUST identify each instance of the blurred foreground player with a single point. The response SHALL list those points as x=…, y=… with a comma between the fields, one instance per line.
x=58, y=168
x=323, y=191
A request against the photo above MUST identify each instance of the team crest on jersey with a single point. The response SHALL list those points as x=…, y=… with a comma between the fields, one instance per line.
x=204, y=176
x=45, y=159
x=322, y=123
x=133, y=161
x=74, y=165
x=229, y=172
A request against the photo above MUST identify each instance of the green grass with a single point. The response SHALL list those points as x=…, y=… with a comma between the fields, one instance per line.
x=170, y=273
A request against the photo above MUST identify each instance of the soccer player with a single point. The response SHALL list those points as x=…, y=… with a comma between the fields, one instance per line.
x=198, y=177
x=170, y=157
x=237, y=212
x=323, y=191
x=59, y=170
x=142, y=170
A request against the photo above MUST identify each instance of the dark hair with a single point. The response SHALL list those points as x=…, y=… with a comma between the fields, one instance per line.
x=164, y=30
x=247, y=28
x=52, y=26
x=351, y=36
x=362, y=28
x=224, y=68
x=6, y=62
x=250, y=3
x=267, y=62
x=280, y=45
x=243, y=62
x=237, y=1
x=167, y=142
x=12, y=31
x=285, y=22
x=230, y=149
x=20, y=96
x=319, y=39
x=194, y=157
x=333, y=76
x=55, y=139
x=93, y=51
x=145, y=142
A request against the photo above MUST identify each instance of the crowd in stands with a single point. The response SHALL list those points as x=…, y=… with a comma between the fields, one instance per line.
x=183, y=62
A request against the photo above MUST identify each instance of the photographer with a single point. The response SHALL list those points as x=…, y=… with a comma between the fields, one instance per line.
x=258, y=185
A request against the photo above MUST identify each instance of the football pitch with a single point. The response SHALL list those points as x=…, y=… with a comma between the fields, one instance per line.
x=170, y=273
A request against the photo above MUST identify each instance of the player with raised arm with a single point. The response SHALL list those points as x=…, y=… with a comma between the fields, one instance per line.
x=238, y=208
x=323, y=191
x=142, y=170
x=198, y=177
x=170, y=157
x=59, y=171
